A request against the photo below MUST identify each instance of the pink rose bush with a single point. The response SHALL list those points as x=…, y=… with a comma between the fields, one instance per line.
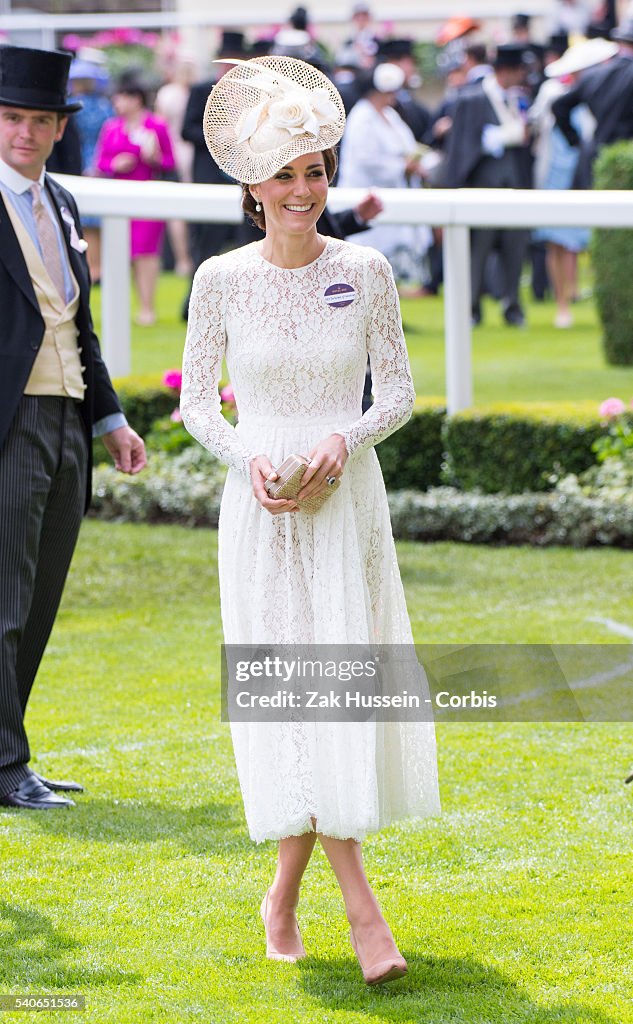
x=612, y=407
x=618, y=442
x=169, y=434
x=173, y=379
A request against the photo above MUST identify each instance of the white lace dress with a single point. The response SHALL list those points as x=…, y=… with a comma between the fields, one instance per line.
x=296, y=344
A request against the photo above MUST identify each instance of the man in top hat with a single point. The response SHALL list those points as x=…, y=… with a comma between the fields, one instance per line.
x=361, y=48
x=607, y=90
x=55, y=394
x=488, y=147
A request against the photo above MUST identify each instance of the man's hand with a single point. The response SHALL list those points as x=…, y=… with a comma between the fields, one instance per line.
x=442, y=127
x=127, y=449
x=369, y=207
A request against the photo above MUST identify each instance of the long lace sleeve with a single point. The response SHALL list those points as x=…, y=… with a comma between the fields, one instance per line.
x=391, y=374
x=200, y=404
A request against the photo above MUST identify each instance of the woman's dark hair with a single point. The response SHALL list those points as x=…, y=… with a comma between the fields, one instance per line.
x=330, y=161
x=363, y=84
x=299, y=19
x=131, y=83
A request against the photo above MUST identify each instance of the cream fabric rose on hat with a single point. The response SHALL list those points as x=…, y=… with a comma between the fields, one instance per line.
x=264, y=112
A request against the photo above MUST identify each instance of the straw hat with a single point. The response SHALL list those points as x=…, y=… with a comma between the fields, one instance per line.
x=264, y=112
x=582, y=55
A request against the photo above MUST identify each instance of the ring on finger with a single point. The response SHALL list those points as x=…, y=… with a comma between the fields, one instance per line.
x=330, y=480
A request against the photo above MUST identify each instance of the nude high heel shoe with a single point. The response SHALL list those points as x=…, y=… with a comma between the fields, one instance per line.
x=385, y=970
x=271, y=952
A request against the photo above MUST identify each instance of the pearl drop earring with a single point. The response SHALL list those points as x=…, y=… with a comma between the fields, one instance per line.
x=258, y=207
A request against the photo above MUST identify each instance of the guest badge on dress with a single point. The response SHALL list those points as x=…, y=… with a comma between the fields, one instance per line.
x=339, y=295
x=80, y=244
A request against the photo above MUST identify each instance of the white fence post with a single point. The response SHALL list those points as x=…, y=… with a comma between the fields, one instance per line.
x=115, y=295
x=457, y=326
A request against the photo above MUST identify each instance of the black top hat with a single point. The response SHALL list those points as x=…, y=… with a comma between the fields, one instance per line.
x=624, y=32
x=557, y=43
x=511, y=55
x=520, y=21
x=232, y=45
x=35, y=79
x=393, y=49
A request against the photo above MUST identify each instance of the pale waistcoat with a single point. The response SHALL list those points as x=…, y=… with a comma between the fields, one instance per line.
x=57, y=369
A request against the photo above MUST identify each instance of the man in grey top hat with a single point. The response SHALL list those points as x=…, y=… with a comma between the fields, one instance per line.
x=55, y=394
x=488, y=147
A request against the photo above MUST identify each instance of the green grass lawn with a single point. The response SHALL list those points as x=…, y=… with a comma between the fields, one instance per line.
x=513, y=907
x=538, y=363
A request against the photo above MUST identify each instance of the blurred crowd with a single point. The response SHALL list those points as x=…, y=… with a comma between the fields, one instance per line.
x=514, y=112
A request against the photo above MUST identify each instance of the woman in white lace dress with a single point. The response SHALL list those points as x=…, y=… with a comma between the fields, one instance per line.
x=295, y=315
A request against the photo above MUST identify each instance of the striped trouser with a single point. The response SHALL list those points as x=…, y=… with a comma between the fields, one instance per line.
x=42, y=488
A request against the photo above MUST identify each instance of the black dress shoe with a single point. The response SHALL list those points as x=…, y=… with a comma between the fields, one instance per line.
x=33, y=796
x=61, y=786
x=514, y=316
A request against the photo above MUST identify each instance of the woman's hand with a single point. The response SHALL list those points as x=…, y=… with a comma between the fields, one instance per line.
x=150, y=147
x=327, y=459
x=262, y=470
x=124, y=162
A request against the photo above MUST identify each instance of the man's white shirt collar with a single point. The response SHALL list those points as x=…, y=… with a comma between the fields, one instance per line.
x=16, y=181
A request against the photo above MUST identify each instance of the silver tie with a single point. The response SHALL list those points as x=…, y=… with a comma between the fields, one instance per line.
x=47, y=238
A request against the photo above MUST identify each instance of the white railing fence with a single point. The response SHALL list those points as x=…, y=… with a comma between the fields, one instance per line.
x=454, y=210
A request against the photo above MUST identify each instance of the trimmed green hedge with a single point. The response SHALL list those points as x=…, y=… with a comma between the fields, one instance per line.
x=412, y=457
x=612, y=259
x=503, y=447
x=517, y=448
x=144, y=400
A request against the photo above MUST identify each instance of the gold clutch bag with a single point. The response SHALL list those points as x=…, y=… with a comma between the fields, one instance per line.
x=288, y=484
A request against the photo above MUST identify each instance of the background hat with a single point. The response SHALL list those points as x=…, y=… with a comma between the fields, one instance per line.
x=232, y=44
x=35, y=79
x=86, y=69
x=584, y=54
x=388, y=78
x=264, y=112
x=455, y=28
x=292, y=42
x=557, y=43
x=624, y=32
x=511, y=55
x=393, y=49
x=520, y=21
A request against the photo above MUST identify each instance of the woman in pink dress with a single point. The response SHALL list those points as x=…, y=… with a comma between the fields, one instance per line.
x=136, y=145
